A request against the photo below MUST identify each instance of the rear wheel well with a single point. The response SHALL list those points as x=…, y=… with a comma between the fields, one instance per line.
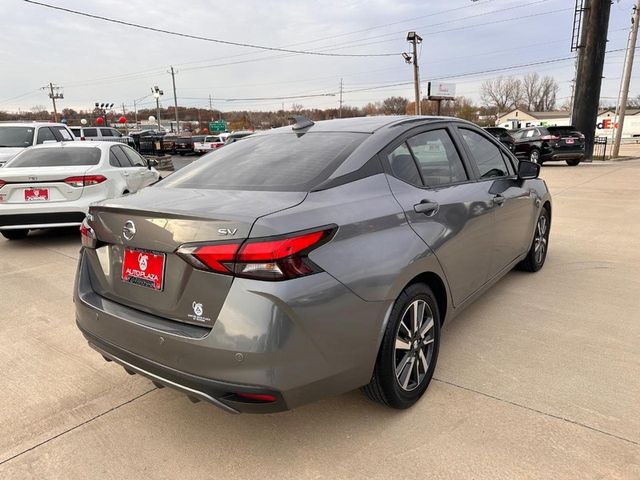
x=437, y=287
x=547, y=205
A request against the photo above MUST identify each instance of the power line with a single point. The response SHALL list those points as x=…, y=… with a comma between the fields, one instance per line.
x=206, y=39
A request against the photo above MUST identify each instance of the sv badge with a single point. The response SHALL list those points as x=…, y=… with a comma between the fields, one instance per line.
x=227, y=231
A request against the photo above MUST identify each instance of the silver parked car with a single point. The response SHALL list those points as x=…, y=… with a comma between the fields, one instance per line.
x=309, y=260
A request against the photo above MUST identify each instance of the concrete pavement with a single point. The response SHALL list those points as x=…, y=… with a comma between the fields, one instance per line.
x=540, y=378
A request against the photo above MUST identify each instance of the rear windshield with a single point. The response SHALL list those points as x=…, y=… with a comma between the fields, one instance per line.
x=16, y=136
x=56, y=157
x=562, y=130
x=281, y=162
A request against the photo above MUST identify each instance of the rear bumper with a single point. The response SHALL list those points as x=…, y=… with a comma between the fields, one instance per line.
x=41, y=219
x=563, y=155
x=299, y=341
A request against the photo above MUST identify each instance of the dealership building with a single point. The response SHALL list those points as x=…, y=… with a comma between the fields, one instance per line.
x=518, y=118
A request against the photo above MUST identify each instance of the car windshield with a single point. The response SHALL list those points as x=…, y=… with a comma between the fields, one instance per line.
x=56, y=157
x=280, y=162
x=16, y=136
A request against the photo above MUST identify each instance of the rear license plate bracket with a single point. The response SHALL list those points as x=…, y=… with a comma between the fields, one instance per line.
x=143, y=268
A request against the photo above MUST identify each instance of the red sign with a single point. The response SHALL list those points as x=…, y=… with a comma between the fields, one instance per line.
x=143, y=268
x=36, y=195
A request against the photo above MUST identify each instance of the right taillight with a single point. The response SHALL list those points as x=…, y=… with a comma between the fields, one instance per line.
x=87, y=235
x=276, y=258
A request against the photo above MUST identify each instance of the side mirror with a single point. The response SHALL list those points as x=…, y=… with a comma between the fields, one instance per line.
x=152, y=162
x=528, y=170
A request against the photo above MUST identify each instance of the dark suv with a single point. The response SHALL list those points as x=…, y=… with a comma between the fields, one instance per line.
x=542, y=144
x=503, y=135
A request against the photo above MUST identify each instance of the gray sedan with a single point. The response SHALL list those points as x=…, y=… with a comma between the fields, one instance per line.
x=308, y=260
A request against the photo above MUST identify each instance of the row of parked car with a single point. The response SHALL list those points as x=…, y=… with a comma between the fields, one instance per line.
x=542, y=144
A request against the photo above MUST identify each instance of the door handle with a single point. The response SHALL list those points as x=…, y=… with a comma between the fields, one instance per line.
x=426, y=207
x=498, y=200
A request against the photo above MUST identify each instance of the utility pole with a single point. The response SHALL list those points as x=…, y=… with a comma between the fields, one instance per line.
x=54, y=95
x=175, y=98
x=340, y=111
x=210, y=108
x=623, y=96
x=135, y=112
x=590, y=64
x=415, y=39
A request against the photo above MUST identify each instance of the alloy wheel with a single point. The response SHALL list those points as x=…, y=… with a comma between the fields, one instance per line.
x=414, y=345
x=540, y=240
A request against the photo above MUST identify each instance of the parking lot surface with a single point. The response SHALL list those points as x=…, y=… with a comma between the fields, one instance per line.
x=540, y=378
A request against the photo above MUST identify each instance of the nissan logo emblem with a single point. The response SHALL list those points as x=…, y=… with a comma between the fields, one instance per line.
x=129, y=230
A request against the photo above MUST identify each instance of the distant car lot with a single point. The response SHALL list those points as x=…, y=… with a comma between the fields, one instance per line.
x=512, y=396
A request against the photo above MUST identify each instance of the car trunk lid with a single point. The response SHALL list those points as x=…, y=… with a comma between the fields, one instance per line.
x=39, y=184
x=143, y=271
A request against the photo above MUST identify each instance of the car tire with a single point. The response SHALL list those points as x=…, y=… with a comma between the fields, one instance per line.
x=534, y=156
x=535, y=258
x=574, y=162
x=399, y=377
x=16, y=234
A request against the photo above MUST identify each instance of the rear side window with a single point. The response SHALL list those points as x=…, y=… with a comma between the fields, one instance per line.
x=280, y=162
x=487, y=156
x=403, y=166
x=56, y=157
x=564, y=130
x=106, y=132
x=437, y=158
x=134, y=157
x=76, y=132
x=44, y=135
x=117, y=158
x=90, y=132
x=61, y=134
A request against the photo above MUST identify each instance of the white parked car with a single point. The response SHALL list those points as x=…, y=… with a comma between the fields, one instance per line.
x=53, y=185
x=204, y=144
x=16, y=136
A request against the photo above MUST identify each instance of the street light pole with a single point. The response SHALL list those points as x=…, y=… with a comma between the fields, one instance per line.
x=175, y=99
x=626, y=78
x=157, y=93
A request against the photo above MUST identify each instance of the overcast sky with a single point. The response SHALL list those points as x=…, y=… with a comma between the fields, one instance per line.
x=98, y=61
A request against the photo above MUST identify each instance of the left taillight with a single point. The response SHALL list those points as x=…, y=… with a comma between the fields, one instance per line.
x=87, y=235
x=84, y=180
x=275, y=258
x=2, y=183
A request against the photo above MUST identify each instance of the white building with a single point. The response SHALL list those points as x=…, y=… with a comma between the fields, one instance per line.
x=604, y=126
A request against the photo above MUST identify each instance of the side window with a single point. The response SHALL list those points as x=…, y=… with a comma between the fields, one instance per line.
x=90, y=132
x=437, y=158
x=106, y=132
x=62, y=134
x=403, y=166
x=76, y=132
x=530, y=134
x=120, y=157
x=487, y=156
x=45, y=134
x=135, y=158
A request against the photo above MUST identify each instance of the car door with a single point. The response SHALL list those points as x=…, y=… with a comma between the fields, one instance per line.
x=444, y=205
x=126, y=169
x=512, y=204
x=140, y=171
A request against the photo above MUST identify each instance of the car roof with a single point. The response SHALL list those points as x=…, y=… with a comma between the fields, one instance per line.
x=77, y=144
x=367, y=124
x=32, y=124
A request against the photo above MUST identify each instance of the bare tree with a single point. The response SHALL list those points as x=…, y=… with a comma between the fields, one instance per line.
x=394, y=106
x=531, y=88
x=548, y=93
x=502, y=93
